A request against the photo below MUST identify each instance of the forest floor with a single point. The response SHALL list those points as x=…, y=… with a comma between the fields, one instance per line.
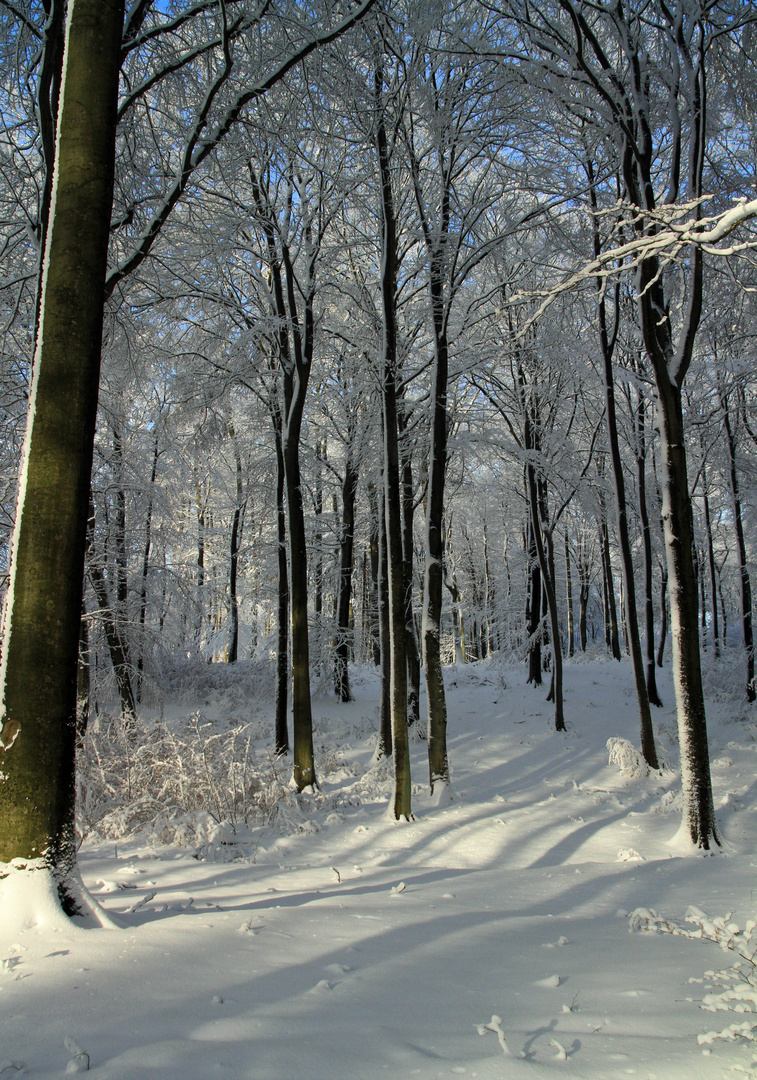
x=337, y=944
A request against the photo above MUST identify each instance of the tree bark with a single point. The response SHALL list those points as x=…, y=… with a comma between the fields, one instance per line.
x=42, y=614
x=237, y=522
x=646, y=534
x=745, y=584
x=344, y=593
x=569, y=589
x=391, y=477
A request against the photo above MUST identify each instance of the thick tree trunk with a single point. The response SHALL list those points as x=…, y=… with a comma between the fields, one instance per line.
x=42, y=613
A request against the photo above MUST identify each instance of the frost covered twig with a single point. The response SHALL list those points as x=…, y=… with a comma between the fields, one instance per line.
x=738, y=982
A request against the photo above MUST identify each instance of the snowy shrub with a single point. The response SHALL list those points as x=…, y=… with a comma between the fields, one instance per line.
x=132, y=775
x=628, y=759
x=736, y=984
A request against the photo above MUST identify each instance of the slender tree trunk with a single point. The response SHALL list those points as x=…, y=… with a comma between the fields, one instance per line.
x=384, y=748
x=304, y=764
x=663, y=616
x=83, y=680
x=118, y=646
x=281, y=729
x=391, y=486
x=569, y=590
x=546, y=557
x=612, y=611
x=744, y=580
x=237, y=523
x=344, y=593
x=42, y=614
x=146, y=570
x=373, y=548
x=533, y=600
x=411, y=642
x=646, y=534
x=633, y=640
x=320, y=457
x=711, y=564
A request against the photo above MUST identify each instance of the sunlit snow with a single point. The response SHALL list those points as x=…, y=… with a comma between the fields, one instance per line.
x=338, y=945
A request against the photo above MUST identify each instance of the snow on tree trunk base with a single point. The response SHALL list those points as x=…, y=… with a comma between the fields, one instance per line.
x=30, y=897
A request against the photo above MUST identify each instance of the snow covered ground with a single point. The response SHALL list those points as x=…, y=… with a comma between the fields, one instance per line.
x=337, y=944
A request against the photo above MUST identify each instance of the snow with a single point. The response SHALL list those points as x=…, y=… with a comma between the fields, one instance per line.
x=346, y=946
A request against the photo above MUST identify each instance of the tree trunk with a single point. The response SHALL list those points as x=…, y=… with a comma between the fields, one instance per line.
x=611, y=607
x=711, y=564
x=533, y=599
x=391, y=485
x=744, y=580
x=304, y=764
x=42, y=613
x=633, y=641
x=146, y=570
x=541, y=534
x=411, y=643
x=118, y=646
x=646, y=534
x=281, y=728
x=384, y=748
x=569, y=590
x=344, y=593
x=237, y=523
x=373, y=548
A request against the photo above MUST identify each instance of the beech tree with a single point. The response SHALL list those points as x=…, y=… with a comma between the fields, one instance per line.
x=43, y=607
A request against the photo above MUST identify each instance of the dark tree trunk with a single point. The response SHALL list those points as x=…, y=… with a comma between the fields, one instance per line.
x=744, y=580
x=569, y=590
x=237, y=522
x=384, y=748
x=609, y=584
x=391, y=485
x=373, y=547
x=43, y=611
x=146, y=570
x=607, y=339
x=711, y=564
x=281, y=729
x=118, y=646
x=646, y=534
x=411, y=642
x=533, y=600
x=344, y=593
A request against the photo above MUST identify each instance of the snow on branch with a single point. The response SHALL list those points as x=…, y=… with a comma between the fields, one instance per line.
x=659, y=235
